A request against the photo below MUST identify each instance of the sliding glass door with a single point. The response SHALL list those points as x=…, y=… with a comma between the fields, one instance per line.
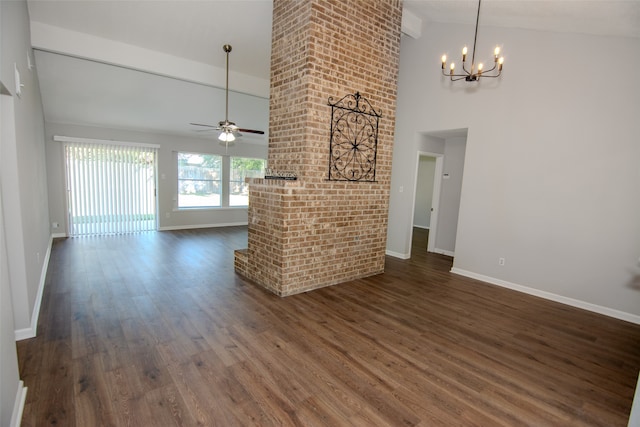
x=111, y=188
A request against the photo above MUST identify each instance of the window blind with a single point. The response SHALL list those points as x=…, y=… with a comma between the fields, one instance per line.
x=111, y=188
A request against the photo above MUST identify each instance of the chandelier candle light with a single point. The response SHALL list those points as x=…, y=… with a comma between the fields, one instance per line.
x=475, y=72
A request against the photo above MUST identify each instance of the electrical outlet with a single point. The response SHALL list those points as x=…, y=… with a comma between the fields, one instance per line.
x=55, y=225
x=501, y=261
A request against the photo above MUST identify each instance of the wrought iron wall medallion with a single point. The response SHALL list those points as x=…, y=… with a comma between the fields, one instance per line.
x=353, y=144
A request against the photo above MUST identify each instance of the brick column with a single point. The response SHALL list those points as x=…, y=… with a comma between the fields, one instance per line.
x=311, y=233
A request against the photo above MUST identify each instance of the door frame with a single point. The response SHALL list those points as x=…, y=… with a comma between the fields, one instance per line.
x=65, y=140
x=435, y=201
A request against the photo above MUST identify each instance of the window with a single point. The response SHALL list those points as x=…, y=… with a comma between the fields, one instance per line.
x=199, y=179
x=208, y=180
x=241, y=168
x=111, y=186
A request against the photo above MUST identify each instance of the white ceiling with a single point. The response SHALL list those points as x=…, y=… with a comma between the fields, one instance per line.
x=82, y=92
x=154, y=65
x=194, y=30
x=599, y=17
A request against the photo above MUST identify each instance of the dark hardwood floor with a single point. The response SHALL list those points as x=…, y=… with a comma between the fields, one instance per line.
x=156, y=329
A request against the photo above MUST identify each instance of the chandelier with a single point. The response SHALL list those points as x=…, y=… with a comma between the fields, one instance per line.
x=475, y=72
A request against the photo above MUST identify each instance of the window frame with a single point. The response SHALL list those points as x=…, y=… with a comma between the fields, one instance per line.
x=225, y=181
x=219, y=181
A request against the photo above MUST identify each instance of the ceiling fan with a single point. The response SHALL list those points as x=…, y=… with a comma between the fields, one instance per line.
x=228, y=130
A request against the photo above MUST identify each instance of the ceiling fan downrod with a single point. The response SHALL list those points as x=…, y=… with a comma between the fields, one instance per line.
x=228, y=130
x=227, y=49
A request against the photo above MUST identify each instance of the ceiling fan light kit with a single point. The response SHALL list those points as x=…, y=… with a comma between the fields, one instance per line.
x=475, y=72
x=227, y=136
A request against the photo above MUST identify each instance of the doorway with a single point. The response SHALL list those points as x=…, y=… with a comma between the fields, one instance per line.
x=111, y=189
x=448, y=149
x=427, y=197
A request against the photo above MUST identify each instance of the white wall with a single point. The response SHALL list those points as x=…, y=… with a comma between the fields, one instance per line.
x=167, y=173
x=551, y=173
x=452, y=171
x=424, y=192
x=25, y=165
x=14, y=234
x=9, y=379
x=22, y=166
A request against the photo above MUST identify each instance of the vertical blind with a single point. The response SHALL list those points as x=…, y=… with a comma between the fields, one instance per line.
x=111, y=188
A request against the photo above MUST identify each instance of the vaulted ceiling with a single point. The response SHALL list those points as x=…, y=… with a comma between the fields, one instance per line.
x=598, y=17
x=158, y=65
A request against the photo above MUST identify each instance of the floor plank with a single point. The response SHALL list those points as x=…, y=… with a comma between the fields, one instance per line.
x=157, y=329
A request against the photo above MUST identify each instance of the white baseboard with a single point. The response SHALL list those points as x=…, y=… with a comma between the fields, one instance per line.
x=421, y=226
x=444, y=252
x=397, y=254
x=628, y=317
x=30, y=332
x=190, y=227
x=408, y=255
x=58, y=235
x=18, y=405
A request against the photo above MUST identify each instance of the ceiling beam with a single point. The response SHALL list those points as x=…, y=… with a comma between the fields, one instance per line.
x=85, y=46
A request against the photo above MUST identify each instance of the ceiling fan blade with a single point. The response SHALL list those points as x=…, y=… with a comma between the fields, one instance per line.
x=259, y=132
x=200, y=124
x=205, y=130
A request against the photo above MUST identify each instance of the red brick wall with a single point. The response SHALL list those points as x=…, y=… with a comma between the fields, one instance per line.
x=312, y=232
